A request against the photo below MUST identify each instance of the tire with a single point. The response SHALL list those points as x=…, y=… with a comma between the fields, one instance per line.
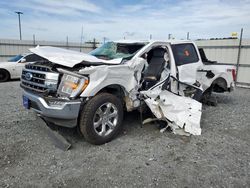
x=4, y=75
x=101, y=118
x=208, y=99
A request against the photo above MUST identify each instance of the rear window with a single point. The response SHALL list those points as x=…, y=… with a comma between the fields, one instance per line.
x=184, y=54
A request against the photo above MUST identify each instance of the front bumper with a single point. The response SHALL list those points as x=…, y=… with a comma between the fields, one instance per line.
x=61, y=112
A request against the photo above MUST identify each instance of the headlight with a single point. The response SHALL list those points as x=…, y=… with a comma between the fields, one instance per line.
x=71, y=86
x=51, y=81
x=51, y=84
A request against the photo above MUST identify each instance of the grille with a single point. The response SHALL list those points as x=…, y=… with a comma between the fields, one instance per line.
x=38, y=68
x=39, y=78
x=36, y=77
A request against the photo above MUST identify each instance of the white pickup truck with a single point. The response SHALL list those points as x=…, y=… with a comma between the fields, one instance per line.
x=91, y=91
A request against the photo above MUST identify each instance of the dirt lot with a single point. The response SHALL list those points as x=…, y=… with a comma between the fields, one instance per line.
x=139, y=157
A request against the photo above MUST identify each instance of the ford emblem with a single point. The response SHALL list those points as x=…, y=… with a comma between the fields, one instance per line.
x=28, y=76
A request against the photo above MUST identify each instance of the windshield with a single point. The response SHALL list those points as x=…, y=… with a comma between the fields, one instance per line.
x=112, y=50
x=15, y=59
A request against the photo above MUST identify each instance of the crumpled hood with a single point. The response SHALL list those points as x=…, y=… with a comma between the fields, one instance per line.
x=69, y=58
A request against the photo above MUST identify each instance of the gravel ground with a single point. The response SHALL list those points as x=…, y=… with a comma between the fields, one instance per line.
x=139, y=157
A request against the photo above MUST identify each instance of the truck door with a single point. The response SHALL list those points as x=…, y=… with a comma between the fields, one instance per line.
x=187, y=62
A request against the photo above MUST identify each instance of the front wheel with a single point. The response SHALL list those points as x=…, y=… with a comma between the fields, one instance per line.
x=4, y=75
x=101, y=118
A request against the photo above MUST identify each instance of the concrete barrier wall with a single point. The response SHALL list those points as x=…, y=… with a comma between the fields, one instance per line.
x=226, y=51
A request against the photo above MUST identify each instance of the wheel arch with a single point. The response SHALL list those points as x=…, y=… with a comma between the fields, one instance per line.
x=114, y=89
x=219, y=85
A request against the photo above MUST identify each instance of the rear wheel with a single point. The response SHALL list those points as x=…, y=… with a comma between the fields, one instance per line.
x=4, y=75
x=208, y=99
x=101, y=118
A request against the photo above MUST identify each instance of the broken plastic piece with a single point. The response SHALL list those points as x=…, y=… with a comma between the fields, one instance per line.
x=149, y=120
x=56, y=138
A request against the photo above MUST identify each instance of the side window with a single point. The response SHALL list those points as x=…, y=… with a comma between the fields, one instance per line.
x=32, y=58
x=184, y=54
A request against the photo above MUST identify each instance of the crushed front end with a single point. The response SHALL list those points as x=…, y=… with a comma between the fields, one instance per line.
x=52, y=93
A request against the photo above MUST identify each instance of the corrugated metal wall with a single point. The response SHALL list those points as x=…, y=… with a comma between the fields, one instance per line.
x=226, y=51
x=10, y=48
x=223, y=51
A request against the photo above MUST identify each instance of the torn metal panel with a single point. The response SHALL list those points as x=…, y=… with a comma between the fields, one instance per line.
x=69, y=58
x=183, y=112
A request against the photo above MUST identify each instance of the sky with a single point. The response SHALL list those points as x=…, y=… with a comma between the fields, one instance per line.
x=54, y=20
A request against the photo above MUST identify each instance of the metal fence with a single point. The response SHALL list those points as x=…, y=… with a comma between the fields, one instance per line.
x=230, y=51
x=10, y=47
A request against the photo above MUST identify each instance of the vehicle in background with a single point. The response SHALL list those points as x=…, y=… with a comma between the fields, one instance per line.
x=12, y=69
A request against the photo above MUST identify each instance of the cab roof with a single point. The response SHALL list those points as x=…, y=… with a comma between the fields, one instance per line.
x=152, y=41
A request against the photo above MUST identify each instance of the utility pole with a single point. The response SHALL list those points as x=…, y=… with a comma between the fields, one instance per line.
x=67, y=42
x=34, y=39
x=94, y=43
x=187, y=35
x=19, y=19
x=169, y=36
x=81, y=40
x=239, y=52
x=150, y=36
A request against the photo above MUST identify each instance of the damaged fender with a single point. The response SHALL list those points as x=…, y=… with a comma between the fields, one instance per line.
x=126, y=75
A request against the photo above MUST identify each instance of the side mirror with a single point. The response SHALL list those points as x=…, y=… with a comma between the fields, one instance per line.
x=22, y=60
x=144, y=56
